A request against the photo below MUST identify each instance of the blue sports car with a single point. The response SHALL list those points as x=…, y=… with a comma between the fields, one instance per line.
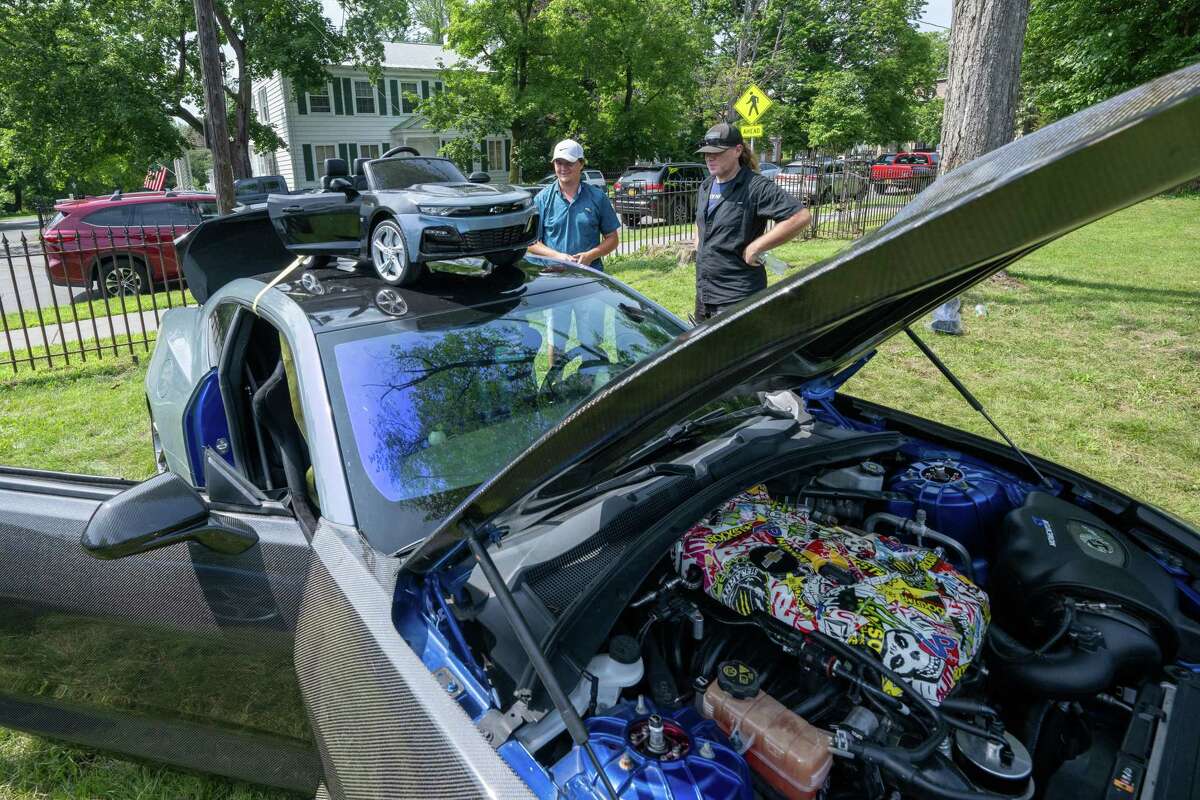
x=513, y=530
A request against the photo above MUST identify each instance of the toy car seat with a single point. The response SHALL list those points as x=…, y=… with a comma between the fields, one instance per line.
x=334, y=168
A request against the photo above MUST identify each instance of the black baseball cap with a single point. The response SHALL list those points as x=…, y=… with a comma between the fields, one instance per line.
x=720, y=137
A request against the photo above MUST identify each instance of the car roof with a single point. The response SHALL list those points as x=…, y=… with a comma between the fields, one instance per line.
x=128, y=198
x=661, y=164
x=336, y=299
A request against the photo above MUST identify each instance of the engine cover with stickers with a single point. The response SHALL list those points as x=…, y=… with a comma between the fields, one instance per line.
x=904, y=605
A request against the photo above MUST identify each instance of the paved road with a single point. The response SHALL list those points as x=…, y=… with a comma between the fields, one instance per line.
x=23, y=278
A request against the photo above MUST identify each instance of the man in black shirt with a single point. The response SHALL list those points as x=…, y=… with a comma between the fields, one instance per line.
x=732, y=210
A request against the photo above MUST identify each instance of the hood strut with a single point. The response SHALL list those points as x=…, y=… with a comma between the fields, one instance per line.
x=570, y=716
x=975, y=404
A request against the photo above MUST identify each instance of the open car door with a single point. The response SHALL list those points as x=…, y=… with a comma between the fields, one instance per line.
x=321, y=223
x=385, y=726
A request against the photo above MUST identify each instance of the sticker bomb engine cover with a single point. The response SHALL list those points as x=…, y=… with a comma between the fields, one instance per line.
x=910, y=609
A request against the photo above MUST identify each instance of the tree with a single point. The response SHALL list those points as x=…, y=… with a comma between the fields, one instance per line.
x=570, y=68
x=1080, y=52
x=430, y=19
x=78, y=106
x=984, y=74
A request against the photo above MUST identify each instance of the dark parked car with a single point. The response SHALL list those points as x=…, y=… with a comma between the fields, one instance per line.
x=121, y=243
x=664, y=191
x=248, y=191
x=398, y=212
x=408, y=549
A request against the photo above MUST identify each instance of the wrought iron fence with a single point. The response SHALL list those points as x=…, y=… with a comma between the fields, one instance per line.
x=78, y=294
x=73, y=294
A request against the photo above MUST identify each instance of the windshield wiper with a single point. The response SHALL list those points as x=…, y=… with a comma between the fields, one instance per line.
x=683, y=430
x=975, y=404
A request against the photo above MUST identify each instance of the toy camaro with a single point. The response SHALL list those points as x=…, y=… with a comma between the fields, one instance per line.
x=513, y=531
x=400, y=211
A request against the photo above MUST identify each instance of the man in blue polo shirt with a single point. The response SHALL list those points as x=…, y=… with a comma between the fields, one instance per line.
x=576, y=221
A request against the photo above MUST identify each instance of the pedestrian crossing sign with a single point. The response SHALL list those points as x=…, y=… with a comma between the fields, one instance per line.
x=752, y=104
x=751, y=131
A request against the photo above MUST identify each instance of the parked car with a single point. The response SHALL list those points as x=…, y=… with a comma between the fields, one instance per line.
x=884, y=158
x=823, y=181
x=122, y=244
x=402, y=210
x=907, y=172
x=593, y=176
x=248, y=191
x=768, y=170
x=396, y=551
x=660, y=190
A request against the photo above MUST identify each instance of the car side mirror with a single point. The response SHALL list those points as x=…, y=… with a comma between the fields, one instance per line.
x=479, y=177
x=343, y=185
x=158, y=512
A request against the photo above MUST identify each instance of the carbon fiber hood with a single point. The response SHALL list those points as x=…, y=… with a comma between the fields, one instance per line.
x=965, y=227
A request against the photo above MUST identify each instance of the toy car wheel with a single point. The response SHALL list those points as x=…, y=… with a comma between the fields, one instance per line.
x=122, y=277
x=389, y=255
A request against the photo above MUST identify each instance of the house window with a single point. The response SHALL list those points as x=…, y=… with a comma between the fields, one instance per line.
x=320, y=153
x=318, y=101
x=409, y=92
x=264, y=113
x=364, y=97
x=368, y=151
x=495, y=150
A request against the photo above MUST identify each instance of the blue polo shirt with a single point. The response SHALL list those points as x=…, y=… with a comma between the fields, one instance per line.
x=576, y=226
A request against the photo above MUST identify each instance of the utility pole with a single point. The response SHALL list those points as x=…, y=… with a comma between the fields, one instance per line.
x=214, y=102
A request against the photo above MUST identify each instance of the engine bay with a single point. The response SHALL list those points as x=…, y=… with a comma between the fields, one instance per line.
x=914, y=624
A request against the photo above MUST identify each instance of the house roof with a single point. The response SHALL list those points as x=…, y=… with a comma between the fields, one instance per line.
x=415, y=55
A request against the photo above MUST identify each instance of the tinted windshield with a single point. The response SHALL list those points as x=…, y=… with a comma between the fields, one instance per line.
x=400, y=173
x=429, y=408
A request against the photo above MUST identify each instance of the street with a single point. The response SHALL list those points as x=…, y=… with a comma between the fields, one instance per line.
x=23, y=281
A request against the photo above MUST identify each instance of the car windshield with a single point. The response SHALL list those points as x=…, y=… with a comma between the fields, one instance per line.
x=643, y=175
x=401, y=173
x=800, y=169
x=427, y=409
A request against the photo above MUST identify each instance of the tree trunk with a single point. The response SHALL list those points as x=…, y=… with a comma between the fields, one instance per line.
x=986, y=40
x=214, y=101
x=240, y=147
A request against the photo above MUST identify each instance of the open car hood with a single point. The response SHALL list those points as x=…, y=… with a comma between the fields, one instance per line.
x=966, y=226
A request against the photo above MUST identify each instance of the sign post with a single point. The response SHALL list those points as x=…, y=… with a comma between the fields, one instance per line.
x=751, y=106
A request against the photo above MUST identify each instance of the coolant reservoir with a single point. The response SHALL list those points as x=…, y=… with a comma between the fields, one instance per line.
x=780, y=746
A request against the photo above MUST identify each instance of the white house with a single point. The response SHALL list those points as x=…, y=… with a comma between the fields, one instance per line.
x=353, y=116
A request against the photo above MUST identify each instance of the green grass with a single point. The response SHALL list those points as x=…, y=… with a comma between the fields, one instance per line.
x=97, y=308
x=1089, y=355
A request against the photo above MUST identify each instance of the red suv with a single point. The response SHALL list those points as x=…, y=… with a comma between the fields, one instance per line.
x=124, y=244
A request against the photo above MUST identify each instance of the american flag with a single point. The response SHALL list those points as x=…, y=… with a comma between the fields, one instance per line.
x=156, y=179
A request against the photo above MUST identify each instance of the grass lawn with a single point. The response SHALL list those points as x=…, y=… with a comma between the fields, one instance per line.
x=96, y=307
x=1089, y=354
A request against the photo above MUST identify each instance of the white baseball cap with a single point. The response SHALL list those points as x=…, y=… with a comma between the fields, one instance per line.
x=568, y=150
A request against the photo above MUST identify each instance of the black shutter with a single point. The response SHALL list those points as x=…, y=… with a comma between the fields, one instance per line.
x=348, y=92
x=309, y=173
x=384, y=147
x=507, y=154
x=424, y=89
x=483, y=157
x=353, y=153
x=338, y=106
x=382, y=98
x=395, y=98
x=301, y=104
x=343, y=152
x=437, y=87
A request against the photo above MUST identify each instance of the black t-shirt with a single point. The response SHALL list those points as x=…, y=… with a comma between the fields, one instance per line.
x=740, y=217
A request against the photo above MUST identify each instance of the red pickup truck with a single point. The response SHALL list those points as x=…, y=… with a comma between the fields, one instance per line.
x=908, y=172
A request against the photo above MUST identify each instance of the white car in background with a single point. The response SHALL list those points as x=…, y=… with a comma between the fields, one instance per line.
x=593, y=176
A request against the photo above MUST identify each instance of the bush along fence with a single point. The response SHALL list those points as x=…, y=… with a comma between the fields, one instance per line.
x=70, y=295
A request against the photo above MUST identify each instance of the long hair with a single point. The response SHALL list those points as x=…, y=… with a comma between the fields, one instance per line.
x=747, y=158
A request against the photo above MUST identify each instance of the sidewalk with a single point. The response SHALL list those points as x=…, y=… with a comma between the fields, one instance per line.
x=135, y=324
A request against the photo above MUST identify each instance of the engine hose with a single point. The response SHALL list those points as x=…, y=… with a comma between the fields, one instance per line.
x=1018, y=652
x=936, y=733
x=816, y=700
x=710, y=661
x=919, y=530
x=962, y=705
x=909, y=775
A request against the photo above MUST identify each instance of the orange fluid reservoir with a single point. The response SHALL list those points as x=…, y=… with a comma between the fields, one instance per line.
x=781, y=747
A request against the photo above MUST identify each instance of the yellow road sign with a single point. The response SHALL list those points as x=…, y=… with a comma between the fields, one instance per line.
x=752, y=104
x=751, y=131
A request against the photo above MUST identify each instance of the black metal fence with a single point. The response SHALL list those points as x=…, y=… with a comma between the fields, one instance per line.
x=72, y=294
